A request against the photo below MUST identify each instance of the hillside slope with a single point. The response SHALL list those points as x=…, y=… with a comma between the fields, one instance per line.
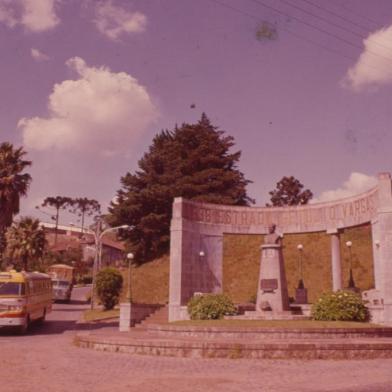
x=241, y=262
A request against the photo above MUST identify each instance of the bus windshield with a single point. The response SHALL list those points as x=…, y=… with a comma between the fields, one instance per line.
x=12, y=288
x=61, y=283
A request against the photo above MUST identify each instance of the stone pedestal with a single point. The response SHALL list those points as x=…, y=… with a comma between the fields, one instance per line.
x=125, y=317
x=272, y=294
x=301, y=295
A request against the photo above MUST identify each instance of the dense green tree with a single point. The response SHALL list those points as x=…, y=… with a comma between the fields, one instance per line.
x=85, y=207
x=193, y=161
x=289, y=192
x=108, y=287
x=58, y=203
x=25, y=243
x=14, y=183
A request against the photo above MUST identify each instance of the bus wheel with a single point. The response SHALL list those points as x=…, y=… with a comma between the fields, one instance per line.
x=42, y=319
x=23, y=328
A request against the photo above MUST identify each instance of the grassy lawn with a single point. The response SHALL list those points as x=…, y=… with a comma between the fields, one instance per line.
x=149, y=282
x=99, y=314
x=275, y=324
x=241, y=262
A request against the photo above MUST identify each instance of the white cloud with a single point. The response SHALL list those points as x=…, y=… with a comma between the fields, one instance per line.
x=38, y=55
x=356, y=184
x=39, y=15
x=7, y=13
x=33, y=15
x=113, y=21
x=101, y=111
x=373, y=67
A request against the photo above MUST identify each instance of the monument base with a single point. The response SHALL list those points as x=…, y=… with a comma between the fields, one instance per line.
x=296, y=312
x=301, y=296
x=270, y=315
x=272, y=295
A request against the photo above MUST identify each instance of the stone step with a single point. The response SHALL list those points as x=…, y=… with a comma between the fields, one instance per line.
x=160, y=316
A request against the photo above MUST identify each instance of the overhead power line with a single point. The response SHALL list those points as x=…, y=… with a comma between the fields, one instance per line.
x=336, y=15
x=321, y=30
x=336, y=25
x=297, y=36
x=355, y=12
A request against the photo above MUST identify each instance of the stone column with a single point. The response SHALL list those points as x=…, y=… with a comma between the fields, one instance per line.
x=377, y=266
x=384, y=229
x=335, y=260
x=272, y=294
x=125, y=317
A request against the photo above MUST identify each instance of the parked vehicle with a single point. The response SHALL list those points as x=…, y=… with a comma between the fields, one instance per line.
x=62, y=281
x=24, y=297
x=62, y=290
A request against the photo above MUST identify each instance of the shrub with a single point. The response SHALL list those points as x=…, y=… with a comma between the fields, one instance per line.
x=108, y=286
x=340, y=305
x=210, y=307
x=87, y=279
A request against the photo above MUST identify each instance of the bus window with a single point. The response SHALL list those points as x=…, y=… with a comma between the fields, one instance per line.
x=12, y=288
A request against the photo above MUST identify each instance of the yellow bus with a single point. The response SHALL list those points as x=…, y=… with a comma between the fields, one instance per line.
x=24, y=297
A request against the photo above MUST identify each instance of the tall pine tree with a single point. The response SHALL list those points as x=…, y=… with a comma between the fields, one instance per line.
x=193, y=161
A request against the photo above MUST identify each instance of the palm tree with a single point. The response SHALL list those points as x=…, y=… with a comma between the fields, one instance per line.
x=26, y=242
x=13, y=182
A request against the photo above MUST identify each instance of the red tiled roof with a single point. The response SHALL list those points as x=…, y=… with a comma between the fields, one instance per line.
x=65, y=242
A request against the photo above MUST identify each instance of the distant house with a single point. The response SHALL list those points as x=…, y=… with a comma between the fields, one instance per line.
x=113, y=252
x=70, y=237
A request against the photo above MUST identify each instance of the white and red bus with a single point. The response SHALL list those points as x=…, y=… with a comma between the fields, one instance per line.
x=24, y=297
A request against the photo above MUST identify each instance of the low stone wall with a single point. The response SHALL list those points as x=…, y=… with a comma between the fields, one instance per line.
x=267, y=334
x=221, y=349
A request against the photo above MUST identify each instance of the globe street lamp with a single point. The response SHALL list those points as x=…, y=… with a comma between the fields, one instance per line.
x=98, y=235
x=301, y=293
x=130, y=257
x=301, y=278
x=351, y=283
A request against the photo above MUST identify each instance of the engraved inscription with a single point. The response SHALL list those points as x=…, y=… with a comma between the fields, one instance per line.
x=268, y=253
x=340, y=214
x=268, y=285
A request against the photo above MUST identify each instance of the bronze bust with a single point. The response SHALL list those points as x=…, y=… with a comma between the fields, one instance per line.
x=272, y=237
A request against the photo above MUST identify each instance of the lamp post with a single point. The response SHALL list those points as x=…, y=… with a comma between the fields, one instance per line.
x=351, y=283
x=301, y=293
x=201, y=272
x=98, y=235
x=301, y=280
x=130, y=257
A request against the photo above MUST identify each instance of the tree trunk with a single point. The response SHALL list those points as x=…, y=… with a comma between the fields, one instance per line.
x=55, y=229
x=25, y=260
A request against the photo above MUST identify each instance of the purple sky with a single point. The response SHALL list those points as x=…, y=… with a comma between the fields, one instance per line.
x=86, y=84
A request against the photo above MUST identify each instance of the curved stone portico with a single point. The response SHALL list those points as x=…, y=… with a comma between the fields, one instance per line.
x=197, y=231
